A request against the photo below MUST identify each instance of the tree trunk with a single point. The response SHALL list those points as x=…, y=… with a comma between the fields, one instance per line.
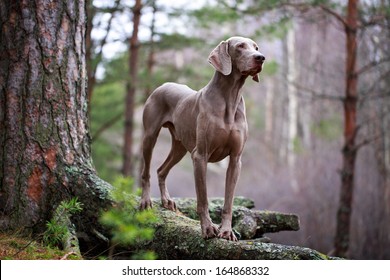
x=350, y=130
x=292, y=112
x=93, y=60
x=91, y=11
x=45, y=156
x=151, y=54
x=130, y=96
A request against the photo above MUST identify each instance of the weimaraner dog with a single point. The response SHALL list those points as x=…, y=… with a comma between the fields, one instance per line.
x=209, y=123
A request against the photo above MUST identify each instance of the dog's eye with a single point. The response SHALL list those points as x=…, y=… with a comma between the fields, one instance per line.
x=241, y=46
x=257, y=48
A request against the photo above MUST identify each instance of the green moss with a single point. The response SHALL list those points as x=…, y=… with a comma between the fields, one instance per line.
x=16, y=247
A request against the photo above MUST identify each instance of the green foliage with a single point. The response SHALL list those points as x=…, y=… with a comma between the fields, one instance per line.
x=176, y=41
x=208, y=15
x=128, y=224
x=56, y=230
x=116, y=69
x=54, y=233
x=107, y=111
x=277, y=28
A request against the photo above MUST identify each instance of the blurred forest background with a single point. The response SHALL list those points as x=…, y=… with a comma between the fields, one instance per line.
x=296, y=158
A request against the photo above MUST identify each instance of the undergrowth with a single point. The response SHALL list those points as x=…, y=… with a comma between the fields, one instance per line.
x=129, y=225
x=14, y=246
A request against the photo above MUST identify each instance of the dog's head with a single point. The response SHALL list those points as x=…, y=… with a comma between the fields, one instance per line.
x=240, y=54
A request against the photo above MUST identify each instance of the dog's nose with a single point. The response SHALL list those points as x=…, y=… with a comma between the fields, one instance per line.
x=259, y=57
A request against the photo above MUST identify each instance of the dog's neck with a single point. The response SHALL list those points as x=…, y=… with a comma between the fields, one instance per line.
x=227, y=88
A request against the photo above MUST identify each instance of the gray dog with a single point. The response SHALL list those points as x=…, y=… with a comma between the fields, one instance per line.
x=209, y=123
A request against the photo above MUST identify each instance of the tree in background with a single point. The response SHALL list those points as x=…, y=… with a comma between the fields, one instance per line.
x=356, y=19
x=317, y=85
x=351, y=23
x=94, y=48
x=122, y=81
x=131, y=90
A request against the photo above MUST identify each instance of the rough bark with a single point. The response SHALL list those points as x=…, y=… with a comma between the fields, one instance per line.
x=131, y=88
x=45, y=156
x=349, y=151
x=91, y=11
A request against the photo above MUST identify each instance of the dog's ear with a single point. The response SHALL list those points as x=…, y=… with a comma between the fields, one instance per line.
x=220, y=58
x=256, y=78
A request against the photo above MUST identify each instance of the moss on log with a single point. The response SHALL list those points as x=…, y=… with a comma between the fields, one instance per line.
x=247, y=223
x=179, y=237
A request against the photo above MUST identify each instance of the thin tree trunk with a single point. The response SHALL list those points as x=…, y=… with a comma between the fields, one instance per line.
x=269, y=111
x=131, y=89
x=94, y=60
x=149, y=71
x=350, y=130
x=151, y=62
x=45, y=156
x=292, y=115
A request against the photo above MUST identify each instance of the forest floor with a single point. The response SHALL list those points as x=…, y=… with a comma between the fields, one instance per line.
x=16, y=247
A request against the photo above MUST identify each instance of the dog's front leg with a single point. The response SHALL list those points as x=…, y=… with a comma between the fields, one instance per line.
x=209, y=230
x=232, y=175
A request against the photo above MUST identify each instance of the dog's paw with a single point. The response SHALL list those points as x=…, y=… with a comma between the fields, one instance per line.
x=145, y=204
x=210, y=231
x=227, y=234
x=169, y=204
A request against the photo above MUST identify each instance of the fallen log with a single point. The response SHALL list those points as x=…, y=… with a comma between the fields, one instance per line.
x=247, y=223
x=179, y=237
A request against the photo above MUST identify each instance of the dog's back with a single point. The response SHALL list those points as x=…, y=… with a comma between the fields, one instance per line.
x=163, y=101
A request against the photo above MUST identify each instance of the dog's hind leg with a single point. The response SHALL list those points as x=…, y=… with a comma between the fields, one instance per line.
x=152, y=130
x=175, y=155
x=149, y=142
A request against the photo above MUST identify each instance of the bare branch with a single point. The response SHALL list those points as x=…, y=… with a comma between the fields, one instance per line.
x=336, y=15
x=315, y=94
x=104, y=40
x=371, y=65
x=106, y=126
x=366, y=94
x=93, y=69
x=368, y=141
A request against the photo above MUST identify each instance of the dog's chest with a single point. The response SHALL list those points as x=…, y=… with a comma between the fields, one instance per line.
x=223, y=139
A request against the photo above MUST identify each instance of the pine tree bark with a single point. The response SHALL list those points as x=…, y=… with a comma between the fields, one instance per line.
x=91, y=11
x=45, y=156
